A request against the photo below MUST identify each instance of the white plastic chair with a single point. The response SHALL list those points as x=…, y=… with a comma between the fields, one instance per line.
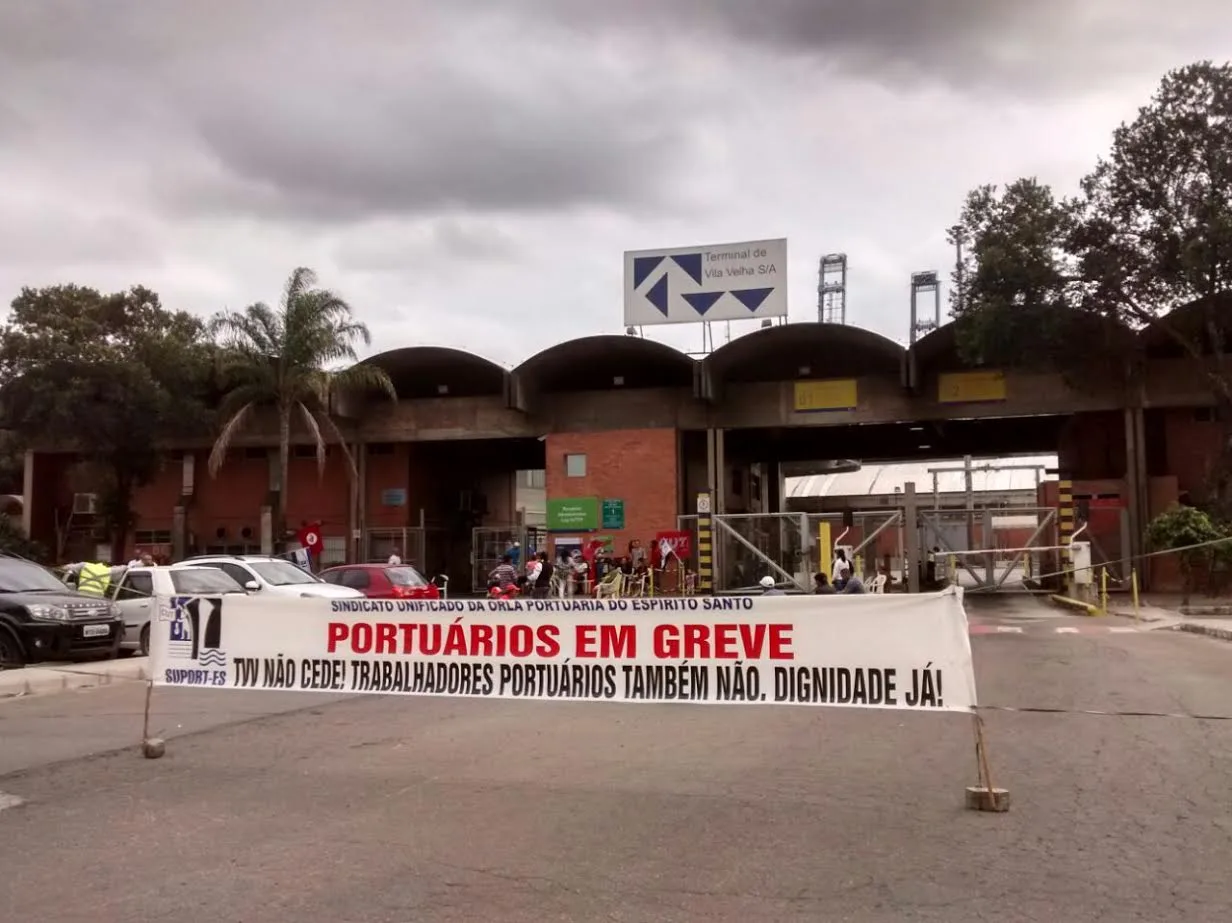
x=878, y=584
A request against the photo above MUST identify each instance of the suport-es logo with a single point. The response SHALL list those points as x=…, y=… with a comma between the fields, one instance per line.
x=196, y=631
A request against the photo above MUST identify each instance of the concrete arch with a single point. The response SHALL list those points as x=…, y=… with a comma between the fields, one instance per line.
x=1192, y=321
x=808, y=350
x=438, y=371
x=604, y=363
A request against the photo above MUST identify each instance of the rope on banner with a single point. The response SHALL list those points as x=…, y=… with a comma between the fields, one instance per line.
x=1041, y=710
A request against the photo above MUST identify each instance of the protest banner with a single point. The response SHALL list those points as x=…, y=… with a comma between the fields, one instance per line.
x=878, y=651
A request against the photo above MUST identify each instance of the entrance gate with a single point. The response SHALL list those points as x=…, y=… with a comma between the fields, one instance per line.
x=1018, y=545
x=489, y=544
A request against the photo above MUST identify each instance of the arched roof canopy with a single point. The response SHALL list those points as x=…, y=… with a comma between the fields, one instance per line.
x=936, y=351
x=810, y=350
x=1073, y=342
x=1194, y=322
x=437, y=371
x=601, y=363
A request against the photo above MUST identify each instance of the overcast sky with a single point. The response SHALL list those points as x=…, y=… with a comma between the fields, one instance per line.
x=468, y=173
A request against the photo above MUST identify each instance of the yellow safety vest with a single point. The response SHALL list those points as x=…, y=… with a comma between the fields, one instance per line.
x=94, y=579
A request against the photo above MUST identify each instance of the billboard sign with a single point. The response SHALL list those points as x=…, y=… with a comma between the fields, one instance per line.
x=720, y=282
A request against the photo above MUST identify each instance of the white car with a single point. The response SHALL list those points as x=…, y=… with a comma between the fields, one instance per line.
x=260, y=573
x=134, y=590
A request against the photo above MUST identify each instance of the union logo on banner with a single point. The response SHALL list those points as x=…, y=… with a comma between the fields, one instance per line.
x=196, y=631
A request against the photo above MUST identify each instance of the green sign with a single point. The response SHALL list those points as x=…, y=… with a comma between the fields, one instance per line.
x=575, y=514
x=613, y=514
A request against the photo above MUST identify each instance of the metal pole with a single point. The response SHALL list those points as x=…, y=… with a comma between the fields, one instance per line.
x=911, y=527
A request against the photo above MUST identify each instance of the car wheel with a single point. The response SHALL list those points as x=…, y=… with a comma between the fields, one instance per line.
x=11, y=654
x=144, y=642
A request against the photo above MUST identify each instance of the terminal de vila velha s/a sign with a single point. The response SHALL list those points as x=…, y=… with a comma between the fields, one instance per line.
x=717, y=282
x=897, y=651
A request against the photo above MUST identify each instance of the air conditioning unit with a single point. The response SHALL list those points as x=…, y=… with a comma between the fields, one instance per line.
x=85, y=504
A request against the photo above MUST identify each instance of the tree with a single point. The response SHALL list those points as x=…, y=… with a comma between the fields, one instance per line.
x=1191, y=534
x=1011, y=287
x=110, y=376
x=1150, y=232
x=14, y=541
x=280, y=359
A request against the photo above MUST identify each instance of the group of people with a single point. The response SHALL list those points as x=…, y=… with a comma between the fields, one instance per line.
x=575, y=571
x=841, y=579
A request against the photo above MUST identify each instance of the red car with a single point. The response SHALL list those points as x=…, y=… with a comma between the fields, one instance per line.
x=383, y=581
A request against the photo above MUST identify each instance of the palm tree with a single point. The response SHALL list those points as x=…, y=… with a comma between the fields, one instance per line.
x=282, y=359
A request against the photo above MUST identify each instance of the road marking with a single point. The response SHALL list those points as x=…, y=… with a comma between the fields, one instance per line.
x=1123, y=630
x=1010, y=629
x=1067, y=631
x=10, y=801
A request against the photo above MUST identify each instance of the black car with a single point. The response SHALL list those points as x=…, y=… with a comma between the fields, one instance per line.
x=42, y=619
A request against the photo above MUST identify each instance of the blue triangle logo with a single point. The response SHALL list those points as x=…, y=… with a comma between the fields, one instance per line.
x=752, y=298
x=657, y=295
x=701, y=302
x=643, y=266
x=692, y=264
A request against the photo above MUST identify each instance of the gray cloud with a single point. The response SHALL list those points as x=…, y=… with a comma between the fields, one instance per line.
x=1023, y=48
x=467, y=172
x=322, y=116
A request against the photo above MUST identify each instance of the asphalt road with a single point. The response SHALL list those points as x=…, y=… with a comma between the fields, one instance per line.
x=393, y=809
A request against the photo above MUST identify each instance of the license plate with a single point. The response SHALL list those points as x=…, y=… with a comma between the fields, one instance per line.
x=95, y=631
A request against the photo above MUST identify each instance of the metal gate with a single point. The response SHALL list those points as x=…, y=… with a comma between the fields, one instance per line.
x=490, y=543
x=749, y=546
x=991, y=549
x=874, y=536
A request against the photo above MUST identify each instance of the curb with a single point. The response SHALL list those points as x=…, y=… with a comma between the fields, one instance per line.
x=1084, y=608
x=36, y=680
x=1223, y=634
x=1212, y=612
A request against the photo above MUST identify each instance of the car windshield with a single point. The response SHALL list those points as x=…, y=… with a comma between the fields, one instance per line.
x=203, y=580
x=405, y=576
x=281, y=573
x=17, y=576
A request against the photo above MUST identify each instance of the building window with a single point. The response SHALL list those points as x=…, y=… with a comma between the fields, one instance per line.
x=532, y=478
x=575, y=466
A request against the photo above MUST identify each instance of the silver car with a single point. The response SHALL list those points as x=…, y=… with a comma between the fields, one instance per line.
x=136, y=589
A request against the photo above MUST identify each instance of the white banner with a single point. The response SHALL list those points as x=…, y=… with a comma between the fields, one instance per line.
x=876, y=651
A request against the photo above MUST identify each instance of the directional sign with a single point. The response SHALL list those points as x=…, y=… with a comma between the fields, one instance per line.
x=719, y=282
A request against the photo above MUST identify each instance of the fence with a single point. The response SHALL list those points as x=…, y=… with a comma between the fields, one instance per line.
x=490, y=543
x=991, y=548
x=415, y=545
x=875, y=537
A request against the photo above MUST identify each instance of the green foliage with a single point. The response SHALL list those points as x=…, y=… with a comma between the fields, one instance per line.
x=14, y=541
x=1012, y=289
x=1059, y=283
x=107, y=374
x=1180, y=527
x=281, y=359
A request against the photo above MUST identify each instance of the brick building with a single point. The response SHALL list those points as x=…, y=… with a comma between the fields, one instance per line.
x=638, y=424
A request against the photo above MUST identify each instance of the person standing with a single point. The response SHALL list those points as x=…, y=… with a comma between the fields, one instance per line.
x=543, y=581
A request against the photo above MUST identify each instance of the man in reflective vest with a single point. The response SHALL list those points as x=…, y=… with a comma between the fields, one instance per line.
x=94, y=578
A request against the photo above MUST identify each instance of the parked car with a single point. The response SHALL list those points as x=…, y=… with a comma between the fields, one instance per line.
x=42, y=619
x=134, y=592
x=259, y=573
x=383, y=581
